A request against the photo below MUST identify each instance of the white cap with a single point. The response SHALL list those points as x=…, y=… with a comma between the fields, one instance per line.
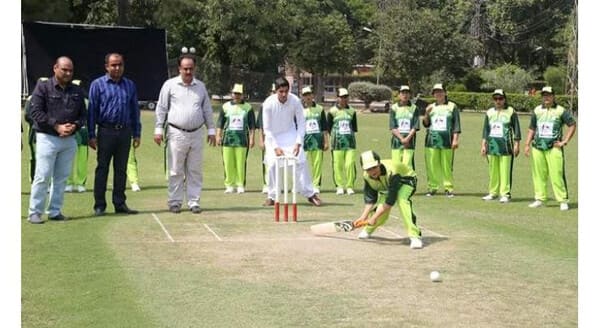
x=342, y=92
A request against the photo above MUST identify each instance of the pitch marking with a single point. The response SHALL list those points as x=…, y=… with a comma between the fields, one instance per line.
x=211, y=231
x=163, y=228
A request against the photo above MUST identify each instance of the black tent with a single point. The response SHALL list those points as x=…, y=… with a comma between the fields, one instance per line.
x=144, y=50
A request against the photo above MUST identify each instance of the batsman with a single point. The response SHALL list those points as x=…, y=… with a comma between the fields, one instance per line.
x=387, y=183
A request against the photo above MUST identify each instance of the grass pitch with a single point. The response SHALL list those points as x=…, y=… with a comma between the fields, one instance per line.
x=502, y=265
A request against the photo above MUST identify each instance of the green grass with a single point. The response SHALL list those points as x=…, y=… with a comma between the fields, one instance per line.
x=502, y=265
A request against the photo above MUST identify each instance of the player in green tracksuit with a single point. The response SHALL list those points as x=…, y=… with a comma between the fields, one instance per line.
x=132, y=171
x=235, y=132
x=500, y=143
x=442, y=120
x=546, y=142
x=404, y=124
x=316, y=137
x=343, y=126
x=76, y=181
x=388, y=183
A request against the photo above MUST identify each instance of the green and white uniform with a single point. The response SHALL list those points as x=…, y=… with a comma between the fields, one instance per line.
x=396, y=184
x=547, y=160
x=78, y=175
x=236, y=121
x=500, y=130
x=343, y=126
x=316, y=127
x=444, y=121
x=132, y=167
x=404, y=118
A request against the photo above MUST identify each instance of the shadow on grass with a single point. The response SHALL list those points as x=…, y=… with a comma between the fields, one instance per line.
x=427, y=240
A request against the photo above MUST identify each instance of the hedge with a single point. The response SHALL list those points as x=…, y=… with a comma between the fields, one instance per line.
x=483, y=101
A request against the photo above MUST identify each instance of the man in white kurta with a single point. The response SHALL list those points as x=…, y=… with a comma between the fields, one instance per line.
x=283, y=126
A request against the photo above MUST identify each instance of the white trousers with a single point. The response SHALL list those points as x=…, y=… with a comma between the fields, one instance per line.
x=184, y=161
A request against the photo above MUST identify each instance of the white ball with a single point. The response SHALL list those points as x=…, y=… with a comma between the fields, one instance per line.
x=435, y=276
x=184, y=50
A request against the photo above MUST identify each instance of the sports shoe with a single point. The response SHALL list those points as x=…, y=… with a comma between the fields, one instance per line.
x=449, y=194
x=564, y=206
x=536, y=204
x=80, y=189
x=416, y=243
x=196, y=209
x=35, y=218
x=431, y=193
x=240, y=190
x=314, y=199
x=175, y=209
x=339, y=191
x=350, y=191
x=135, y=187
x=265, y=190
x=504, y=199
x=488, y=197
x=269, y=202
x=229, y=190
x=69, y=188
x=364, y=234
x=58, y=217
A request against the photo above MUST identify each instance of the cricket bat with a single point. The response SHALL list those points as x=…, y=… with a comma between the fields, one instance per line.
x=336, y=226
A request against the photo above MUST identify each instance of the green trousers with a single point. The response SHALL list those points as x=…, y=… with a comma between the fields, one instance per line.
x=549, y=163
x=406, y=212
x=344, y=168
x=80, y=167
x=405, y=156
x=500, y=173
x=234, y=163
x=314, y=159
x=132, y=167
x=438, y=164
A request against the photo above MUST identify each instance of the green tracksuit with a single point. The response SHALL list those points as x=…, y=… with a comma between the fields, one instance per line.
x=236, y=122
x=343, y=126
x=132, y=167
x=396, y=184
x=444, y=121
x=405, y=119
x=314, y=138
x=547, y=160
x=78, y=175
x=500, y=130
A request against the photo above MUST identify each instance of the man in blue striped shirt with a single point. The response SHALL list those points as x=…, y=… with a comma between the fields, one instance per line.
x=114, y=109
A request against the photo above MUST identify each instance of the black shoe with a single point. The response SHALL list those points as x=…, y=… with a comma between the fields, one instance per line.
x=269, y=202
x=175, y=209
x=98, y=211
x=58, y=217
x=314, y=199
x=124, y=209
x=196, y=209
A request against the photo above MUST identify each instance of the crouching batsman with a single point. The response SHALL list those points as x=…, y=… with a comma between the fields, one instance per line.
x=386, y=184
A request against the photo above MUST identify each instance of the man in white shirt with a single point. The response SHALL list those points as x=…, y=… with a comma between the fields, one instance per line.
x=185, y=99
x=283, y=126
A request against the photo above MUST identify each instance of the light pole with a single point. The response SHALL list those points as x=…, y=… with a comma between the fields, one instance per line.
x=185, y=50
x=378, y=66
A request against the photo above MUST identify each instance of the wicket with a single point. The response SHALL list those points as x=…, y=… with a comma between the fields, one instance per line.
x=285, y=162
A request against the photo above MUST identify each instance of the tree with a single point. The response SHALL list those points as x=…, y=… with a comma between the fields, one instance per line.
x=509, y=77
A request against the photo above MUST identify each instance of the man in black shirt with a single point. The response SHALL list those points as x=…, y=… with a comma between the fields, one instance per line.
x=57, y=112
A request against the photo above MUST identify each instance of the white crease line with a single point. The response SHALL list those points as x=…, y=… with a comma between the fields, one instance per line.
x=163, y=228
x=424, y=228
x=211, y=231
x=391, y=232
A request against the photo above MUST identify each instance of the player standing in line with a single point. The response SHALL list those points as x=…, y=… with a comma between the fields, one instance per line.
x=404, y=124
x=500, y=143
x=316, y=139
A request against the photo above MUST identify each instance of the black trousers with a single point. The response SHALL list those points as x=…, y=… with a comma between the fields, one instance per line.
x=112, y=144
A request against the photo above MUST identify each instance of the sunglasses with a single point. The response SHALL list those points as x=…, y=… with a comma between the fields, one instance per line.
x=498, y=98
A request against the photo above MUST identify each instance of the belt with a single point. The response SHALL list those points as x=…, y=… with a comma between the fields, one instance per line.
x=115, y=126
x=184, y=130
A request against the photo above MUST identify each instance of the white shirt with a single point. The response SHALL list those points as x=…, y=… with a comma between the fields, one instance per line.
x=278, y=121
x=187, y=105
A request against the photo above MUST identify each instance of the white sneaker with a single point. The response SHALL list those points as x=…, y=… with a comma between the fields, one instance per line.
x=364, y=234
x=80, y=189
x=536, y=204
x=240, y=190
x=340, y=191
x=135, y=187
x=564, y=206
x=504, y=199
x=68, y=188
x=350, y=191
x=265, y=190
x=488, y=197
x=229, y=190
x=416, y=243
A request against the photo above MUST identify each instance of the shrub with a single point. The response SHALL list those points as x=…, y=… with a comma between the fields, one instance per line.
x=556, y=77
x=369, y=92
x=509, y=77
